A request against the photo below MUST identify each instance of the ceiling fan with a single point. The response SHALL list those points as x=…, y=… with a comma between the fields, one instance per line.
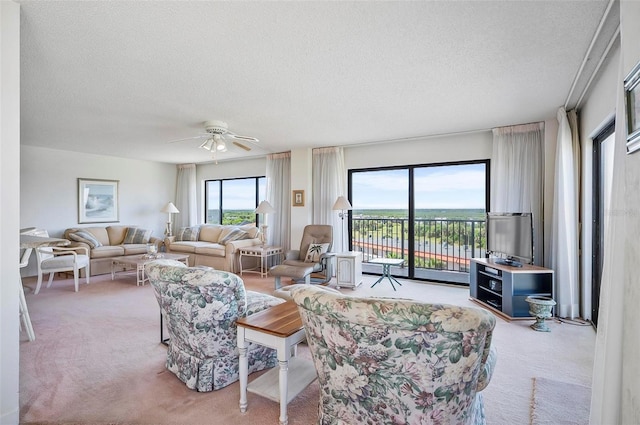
x=215, y=137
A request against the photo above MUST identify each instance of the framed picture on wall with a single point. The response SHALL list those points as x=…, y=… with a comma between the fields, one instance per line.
x=298, y=198
x=632, y=106
x=97, y=201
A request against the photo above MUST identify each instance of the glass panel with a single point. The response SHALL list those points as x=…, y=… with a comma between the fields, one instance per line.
x=449, y=217
x=380, y=213
x=238, y=201
x=212, y=196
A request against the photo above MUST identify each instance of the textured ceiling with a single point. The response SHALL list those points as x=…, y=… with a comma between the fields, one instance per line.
x=124, y=78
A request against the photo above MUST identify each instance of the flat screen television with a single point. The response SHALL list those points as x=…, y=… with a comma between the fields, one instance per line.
x=510, y=237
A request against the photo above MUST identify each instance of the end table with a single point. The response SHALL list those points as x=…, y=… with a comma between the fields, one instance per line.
x=264, y=253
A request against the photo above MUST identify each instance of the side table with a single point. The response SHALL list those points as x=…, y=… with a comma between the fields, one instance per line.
x=386, y=269
x=278, y=327
x=349, y=269
x=264, y=253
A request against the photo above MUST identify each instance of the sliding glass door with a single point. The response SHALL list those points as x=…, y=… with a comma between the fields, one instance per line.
x=432, y=216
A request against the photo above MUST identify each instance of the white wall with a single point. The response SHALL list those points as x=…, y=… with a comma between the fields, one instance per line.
x=456, y=147
x=9, y=214
x=630, y=30
x=49, y=189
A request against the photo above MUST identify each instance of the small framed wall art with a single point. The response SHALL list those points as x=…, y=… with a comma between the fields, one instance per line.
x=632, y=106
x=97, y=201
x=297, y=199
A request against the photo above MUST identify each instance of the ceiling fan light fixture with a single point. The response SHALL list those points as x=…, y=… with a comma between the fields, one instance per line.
x=208, y=144
x=221, y=145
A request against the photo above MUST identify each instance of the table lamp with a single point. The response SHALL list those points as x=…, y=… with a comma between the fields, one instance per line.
x=264, y=208
x=342, y=204
x=169, y=209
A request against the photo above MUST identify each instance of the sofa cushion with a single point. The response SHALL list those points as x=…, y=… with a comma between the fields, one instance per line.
x=226, y=230
x=251, y=229
x=100, y=233
x=315, y=251
x=106, y=251
x=234, y=234
x=213, y=249
x=116, y=234
x=133, y=249
x=187, y=246
x=86, y=237
x=210, y=232
x=137, y=236
x=188, y=234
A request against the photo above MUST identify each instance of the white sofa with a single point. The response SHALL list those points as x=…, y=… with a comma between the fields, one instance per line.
x=213, y=245
x=111, y=242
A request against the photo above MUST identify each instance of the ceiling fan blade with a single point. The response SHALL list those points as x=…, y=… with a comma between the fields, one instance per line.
x=241, y=146
x=245, y=138
x=190, y=138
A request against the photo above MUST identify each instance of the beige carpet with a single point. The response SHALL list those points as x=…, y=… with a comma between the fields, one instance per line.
x=559, y=403
x=97, y=360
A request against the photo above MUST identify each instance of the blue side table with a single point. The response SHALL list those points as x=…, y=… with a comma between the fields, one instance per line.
x=386, y=269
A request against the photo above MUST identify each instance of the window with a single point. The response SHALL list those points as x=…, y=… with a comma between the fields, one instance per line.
x=232, y=201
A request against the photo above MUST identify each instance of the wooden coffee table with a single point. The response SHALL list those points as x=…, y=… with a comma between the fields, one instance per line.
x=278, y=327
x=139, y=261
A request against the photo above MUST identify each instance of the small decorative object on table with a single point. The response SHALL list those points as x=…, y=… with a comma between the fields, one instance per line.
x=540, y=307
x=152, y=252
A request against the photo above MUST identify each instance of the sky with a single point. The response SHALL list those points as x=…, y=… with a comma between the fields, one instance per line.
x=446, y=186
x=436, y=187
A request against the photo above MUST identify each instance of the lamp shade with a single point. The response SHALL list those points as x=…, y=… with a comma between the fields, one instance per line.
x=342, y=204
x=169, y=208
x=264, y=208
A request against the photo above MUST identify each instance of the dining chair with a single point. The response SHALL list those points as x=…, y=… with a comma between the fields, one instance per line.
x=52, y=259
x=24, y=311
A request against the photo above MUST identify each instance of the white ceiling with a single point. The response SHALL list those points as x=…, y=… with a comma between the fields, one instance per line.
x=124, y=78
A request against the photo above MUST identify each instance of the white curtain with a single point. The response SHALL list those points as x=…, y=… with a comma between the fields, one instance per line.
x=329, y=182
x=279, y=196
x=186, y=197
x=608, y=363
x=517, y=175
x=566, y=226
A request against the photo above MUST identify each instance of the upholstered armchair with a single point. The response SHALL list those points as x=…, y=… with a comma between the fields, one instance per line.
x=200, y=306
x=397, y=361
x=313, y=257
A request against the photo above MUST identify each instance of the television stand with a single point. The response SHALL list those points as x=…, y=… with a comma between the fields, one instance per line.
x=504, y=288
x=508, y=262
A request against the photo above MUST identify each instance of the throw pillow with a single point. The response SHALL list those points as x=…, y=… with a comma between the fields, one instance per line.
x=235, y=235
x=315, y=251
x=137, y=236
x=188, y=234
x=85, y=237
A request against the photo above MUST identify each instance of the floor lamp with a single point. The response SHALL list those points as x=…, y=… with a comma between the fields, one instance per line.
x=342, y=205
x=169, y=209
x=264, y=208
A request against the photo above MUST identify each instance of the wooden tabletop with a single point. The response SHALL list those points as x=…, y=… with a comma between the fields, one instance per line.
x=281, y=320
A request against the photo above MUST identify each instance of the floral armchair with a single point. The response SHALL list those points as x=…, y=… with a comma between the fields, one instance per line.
x=201, y=306
x=397, y=361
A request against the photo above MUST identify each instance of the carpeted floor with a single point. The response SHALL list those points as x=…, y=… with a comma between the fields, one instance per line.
x=97, y=360
x=559, y=403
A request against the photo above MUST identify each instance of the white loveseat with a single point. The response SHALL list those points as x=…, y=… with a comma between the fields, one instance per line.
x=213, y=245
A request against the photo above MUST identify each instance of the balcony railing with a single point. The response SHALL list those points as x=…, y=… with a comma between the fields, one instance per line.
x=438, y=244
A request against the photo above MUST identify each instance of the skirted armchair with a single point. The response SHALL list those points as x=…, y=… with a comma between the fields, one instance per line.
x=200, y=306
x=397, y=361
